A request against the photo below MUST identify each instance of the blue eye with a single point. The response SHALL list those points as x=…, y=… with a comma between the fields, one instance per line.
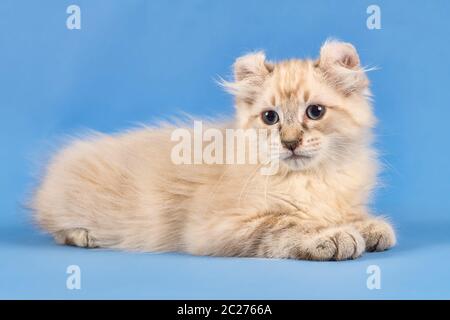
x=270, y=117
x=315, y=111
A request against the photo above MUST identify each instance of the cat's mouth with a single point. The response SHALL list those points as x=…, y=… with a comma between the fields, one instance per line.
x=297, y=161
x=297, y=156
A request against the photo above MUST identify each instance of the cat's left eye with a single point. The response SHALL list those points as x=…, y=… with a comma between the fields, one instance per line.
x=315, y=111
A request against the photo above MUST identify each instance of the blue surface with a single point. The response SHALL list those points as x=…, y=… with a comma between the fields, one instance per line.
x=141, y=61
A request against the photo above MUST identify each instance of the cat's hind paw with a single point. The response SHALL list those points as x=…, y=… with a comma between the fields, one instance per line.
x=79, y=237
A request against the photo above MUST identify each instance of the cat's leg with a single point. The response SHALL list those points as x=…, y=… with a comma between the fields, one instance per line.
x=79, y=237
x=377, y=233
x=273, y=235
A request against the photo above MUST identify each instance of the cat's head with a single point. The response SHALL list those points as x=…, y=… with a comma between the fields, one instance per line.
x=320, y=107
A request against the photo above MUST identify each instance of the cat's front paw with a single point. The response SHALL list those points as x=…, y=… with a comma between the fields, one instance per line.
x=378, y=234
x=339, y=243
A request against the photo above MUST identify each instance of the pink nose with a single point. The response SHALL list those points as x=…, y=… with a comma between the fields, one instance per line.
x=290, y=144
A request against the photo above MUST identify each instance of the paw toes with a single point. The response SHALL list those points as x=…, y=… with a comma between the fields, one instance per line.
x=337, y=244
x=379, y=236
x=79, y=237
x=324, y=250
x=350, y=244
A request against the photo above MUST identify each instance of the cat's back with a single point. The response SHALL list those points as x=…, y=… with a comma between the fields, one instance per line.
x=100, y=174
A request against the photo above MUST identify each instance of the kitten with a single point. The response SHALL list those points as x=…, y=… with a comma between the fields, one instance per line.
x=125, y=191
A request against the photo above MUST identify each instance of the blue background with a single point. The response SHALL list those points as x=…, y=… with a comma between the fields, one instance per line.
x=140, y=61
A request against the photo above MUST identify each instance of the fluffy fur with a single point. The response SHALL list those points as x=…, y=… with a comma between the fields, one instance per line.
x=124, y=191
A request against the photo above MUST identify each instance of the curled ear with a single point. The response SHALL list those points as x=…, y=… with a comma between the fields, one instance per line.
x=341, y=67
x=250, y=73
x=252, y=65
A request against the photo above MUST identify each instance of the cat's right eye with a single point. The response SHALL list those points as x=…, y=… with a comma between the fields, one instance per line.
x=270, y=117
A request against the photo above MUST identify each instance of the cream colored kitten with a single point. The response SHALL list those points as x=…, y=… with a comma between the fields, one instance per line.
x=126, y=192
